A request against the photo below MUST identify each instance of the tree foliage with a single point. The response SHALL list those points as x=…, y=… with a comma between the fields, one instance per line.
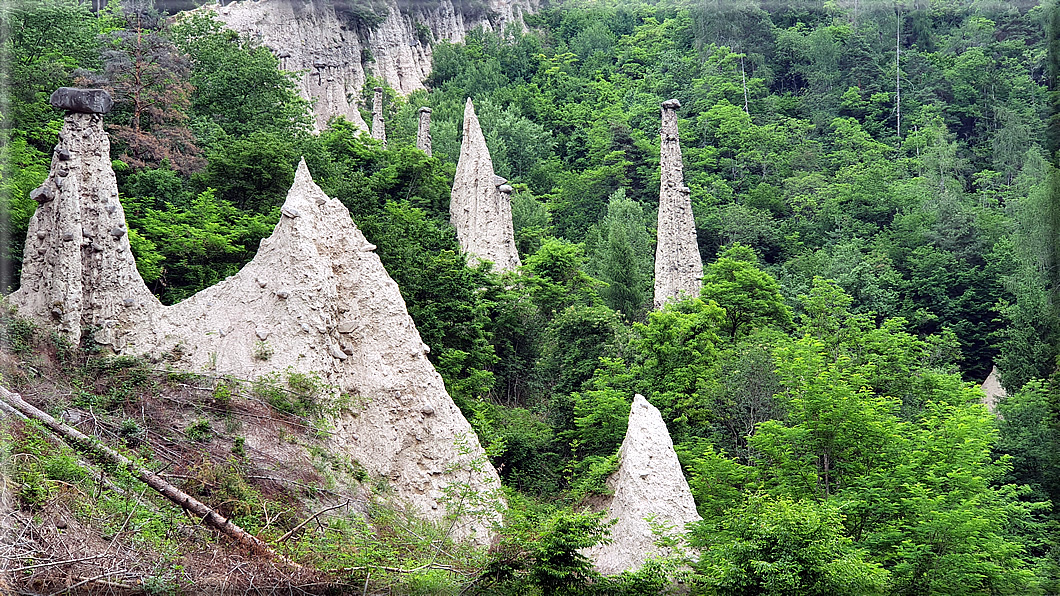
x=149, y=80
x=866, y=257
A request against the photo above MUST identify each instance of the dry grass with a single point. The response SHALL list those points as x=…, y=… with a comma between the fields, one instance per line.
x=100, y=533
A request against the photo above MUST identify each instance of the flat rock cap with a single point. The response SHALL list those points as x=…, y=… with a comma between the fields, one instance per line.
x=671, y=104
x=425, y=109
x=86, y=101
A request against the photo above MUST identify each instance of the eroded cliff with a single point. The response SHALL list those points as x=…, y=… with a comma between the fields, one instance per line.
x=314, y=300
x=335, y=51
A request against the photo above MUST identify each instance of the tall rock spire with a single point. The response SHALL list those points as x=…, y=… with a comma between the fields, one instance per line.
x=678, y=265
x=78, y=271
x=378, y=127
x=423, y=134
x=480, y=207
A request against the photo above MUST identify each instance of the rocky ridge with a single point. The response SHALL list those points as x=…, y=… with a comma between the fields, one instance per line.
x=480, y=206
x=314, y=300
x=335, y=54
x=678, y=264
x=649, y=484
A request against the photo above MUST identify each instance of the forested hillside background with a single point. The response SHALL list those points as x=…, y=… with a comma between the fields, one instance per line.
x=874, y=186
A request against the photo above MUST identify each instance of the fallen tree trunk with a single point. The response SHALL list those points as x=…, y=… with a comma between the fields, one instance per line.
x=94, y=448
x=6, y=408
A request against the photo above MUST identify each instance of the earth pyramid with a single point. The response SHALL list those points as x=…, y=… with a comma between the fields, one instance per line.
x=315, y=300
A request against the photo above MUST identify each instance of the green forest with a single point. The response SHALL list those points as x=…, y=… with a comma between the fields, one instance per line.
x=875, y=194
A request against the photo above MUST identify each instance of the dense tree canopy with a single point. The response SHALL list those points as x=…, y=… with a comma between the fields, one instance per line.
x=875, y=195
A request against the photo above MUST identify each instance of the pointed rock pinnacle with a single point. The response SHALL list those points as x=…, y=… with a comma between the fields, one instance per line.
x=319, y=294
x=993, y=390
x=649, y=483
x=480, y=210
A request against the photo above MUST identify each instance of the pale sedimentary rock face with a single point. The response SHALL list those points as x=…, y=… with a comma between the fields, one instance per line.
x=334, y=56
x=479, y=207
x=678, y=264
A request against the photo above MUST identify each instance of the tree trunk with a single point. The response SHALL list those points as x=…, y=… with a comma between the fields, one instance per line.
x=743, y=73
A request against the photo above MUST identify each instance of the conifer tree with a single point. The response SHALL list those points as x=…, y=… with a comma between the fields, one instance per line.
x=149, y=78
x=620, y=254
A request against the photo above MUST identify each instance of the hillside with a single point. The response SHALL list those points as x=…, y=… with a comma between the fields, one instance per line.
x=872, y=189
x=257, y=452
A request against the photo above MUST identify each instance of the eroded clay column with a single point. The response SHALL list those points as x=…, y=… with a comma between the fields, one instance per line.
x=378, y=128
x=648, y=485
x=423, y=134
x=678, y=265
x=78, y=272
x=479, y=208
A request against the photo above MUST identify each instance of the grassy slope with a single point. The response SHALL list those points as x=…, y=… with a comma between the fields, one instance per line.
x=256, y=453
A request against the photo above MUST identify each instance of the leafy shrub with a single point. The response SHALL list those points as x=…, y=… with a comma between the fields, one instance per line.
x=300, y=396
x=262, y=350
x=540, y=551
x=63, y=467
x=33, y=489
x=200, y=431
x=131, y=431
x=19, y=334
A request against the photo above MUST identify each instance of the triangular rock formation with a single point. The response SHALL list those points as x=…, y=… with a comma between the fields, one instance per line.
x=649, y=484
x=479, y=210
x=315, y=299
x=993, y=390
x=78, y=271
x=678, y=264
